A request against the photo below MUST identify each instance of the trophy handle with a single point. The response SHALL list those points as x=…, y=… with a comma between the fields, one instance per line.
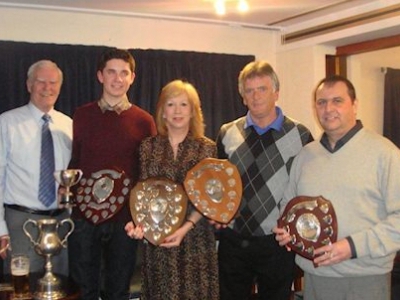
x=72, y=227
x=27, y=232
x=80, y=173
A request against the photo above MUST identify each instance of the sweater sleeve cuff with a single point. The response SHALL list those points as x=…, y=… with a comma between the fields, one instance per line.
x=352, y=247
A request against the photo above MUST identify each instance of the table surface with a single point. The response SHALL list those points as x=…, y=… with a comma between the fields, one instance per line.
x=71, y=289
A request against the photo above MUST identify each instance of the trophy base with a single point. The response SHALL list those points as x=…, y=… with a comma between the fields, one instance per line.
x=49, y=295
x=49, y=288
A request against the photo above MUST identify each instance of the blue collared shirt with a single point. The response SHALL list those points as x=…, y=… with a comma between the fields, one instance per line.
x=276, y=124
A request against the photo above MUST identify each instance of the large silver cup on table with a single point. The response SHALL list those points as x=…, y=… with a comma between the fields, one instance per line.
x=48, y=243
x=67, y=178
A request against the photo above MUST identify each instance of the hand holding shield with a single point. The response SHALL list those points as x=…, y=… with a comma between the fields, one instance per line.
x=214, y=187
x=159, y=206
x=311, y=223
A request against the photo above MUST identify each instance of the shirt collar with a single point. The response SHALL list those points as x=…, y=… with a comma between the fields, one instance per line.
x=121, y=106
x=276, y=124
x=38, y=114
x=340, y=143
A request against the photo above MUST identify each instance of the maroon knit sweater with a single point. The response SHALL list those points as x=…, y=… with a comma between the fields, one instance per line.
x=105, y=140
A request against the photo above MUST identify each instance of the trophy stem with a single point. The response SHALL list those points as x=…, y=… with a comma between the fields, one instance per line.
x=67, y=199
x=48, y=276
x=49, y=286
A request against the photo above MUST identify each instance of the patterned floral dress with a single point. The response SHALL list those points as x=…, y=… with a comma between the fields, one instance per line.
x=190, y=271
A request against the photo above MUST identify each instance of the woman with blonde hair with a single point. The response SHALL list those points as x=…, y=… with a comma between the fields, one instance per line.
x=184, y=266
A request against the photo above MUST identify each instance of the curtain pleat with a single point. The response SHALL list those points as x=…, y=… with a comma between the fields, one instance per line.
x=214, y=75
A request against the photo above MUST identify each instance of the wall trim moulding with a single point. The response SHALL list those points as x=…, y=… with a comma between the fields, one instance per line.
x=361, y=19
x=367, y=46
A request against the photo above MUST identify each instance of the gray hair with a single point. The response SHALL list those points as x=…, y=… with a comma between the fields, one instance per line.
x=41, y=64
x=255, y=69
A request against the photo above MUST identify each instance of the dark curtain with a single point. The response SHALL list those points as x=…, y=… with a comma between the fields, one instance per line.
x=391, y=120
x=214, y=76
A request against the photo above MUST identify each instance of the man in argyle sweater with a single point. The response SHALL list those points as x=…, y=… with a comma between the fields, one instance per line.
x=262, y=145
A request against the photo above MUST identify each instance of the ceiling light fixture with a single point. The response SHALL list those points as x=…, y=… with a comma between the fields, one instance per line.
x=220, y=6
x=242, y=6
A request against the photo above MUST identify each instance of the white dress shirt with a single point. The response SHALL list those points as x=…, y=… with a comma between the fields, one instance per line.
x=20, y=142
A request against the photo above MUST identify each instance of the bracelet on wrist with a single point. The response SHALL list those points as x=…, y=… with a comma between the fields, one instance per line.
x=191, y=222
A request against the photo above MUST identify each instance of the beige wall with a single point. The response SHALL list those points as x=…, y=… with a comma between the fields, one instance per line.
x=365, y=72
x=299, y=70
x=124, y=31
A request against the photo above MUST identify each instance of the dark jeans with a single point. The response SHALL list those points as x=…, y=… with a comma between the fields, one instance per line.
x=102, y=256
x=244, y=261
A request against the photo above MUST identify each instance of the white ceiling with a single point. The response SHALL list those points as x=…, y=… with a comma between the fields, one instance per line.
x=261, y=12
x=281, y=14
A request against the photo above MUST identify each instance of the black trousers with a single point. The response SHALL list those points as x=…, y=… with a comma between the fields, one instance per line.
x=102, y=252
x=243, y=261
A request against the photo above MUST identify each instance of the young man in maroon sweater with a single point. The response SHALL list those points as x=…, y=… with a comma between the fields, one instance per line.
x=106, y=138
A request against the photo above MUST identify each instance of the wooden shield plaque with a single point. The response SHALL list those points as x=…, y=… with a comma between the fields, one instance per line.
x=102, y=195
x=159, y=205
x=311, y=222
x=214, y=187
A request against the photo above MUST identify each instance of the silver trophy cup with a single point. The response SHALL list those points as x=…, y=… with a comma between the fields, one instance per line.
x=48, y=243
x=67, y=179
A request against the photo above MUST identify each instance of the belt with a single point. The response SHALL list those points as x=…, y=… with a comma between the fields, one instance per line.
x=51, y=212
x=245, y=241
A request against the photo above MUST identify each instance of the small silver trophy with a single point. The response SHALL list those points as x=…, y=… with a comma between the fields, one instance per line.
x=48, y=243
x=67, y=178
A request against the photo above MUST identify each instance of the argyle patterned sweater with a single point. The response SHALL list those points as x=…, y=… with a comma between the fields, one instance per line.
x=263, y=162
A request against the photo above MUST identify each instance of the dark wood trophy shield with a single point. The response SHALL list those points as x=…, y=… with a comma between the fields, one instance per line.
x=103, y=194
x=159, y=206
x=214, y=187
x=311, y=223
